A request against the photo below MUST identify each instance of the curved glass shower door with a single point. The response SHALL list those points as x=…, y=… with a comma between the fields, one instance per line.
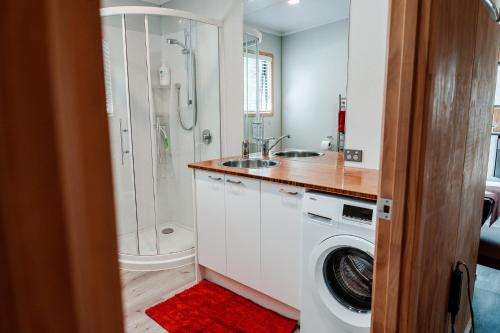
x=164, y=93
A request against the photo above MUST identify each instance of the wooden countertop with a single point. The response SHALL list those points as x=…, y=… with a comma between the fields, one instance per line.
x=325, y=173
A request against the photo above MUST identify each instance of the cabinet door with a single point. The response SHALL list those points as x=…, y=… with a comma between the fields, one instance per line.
x=243, y=230
x=210, y=220
x=281, y=242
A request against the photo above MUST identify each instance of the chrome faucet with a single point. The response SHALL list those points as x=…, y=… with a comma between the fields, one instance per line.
x=245, y=149
x=266, y=145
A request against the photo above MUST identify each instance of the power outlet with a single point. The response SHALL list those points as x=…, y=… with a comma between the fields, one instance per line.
x=352, y=155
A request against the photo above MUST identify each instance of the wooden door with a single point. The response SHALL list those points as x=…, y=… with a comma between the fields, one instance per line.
x=58, y=251
x=439, y=102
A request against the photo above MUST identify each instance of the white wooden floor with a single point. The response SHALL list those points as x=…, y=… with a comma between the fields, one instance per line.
x=140, y=290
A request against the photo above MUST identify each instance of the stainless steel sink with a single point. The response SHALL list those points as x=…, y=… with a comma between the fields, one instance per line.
x=250, y=164
x=297, y=153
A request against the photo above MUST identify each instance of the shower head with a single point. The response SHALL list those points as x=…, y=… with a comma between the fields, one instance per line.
x=173, y=41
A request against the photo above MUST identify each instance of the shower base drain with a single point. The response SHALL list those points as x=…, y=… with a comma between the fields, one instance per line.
x=167, y=231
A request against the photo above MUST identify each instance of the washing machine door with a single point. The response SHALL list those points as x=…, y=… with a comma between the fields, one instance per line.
x=343, y=273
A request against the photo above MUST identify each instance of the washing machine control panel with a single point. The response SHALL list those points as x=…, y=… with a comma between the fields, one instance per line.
x=358, y=212
x=325, y=207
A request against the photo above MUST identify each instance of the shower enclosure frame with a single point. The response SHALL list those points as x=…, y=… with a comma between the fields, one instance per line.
x=140, y=262
x=143, y=10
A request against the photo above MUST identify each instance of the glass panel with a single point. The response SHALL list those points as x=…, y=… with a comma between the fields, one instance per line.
x=184, y=73
x=348, y=274
x=118, y=120
x=174, y=104
x=162, y=98
x=141, y=127
x=168, y=44
x=205, y=43
x=253, y=124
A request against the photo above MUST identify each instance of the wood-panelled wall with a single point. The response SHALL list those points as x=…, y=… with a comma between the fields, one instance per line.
x=58, y=251
x=440, y=88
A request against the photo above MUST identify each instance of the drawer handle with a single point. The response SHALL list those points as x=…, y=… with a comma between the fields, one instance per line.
x=215, y=178
x=319, y=218
x=313, y=199
x=233, y=181
x=288, y=192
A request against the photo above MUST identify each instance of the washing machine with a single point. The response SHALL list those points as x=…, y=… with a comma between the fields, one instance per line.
x=338, y=260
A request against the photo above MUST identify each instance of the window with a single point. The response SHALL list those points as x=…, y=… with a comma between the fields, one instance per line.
x=496, y=110
x=266, y=92
x=497, y=91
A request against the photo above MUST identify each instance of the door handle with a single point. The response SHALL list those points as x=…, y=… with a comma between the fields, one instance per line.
x=215, y=178
x=123, y=151
x=288, y=192
x=319, y=218
x=234, y=181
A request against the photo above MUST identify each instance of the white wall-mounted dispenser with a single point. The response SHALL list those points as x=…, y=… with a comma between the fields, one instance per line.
x=165, y=74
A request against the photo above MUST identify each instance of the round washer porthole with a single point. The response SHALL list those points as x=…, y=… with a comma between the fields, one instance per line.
x=348, y=274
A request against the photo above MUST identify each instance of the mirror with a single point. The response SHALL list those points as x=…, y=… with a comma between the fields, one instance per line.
x=302, y=48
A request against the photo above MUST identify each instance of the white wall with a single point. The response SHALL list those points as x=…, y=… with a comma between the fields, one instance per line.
x=314, y=74
x=230, y=12
x=366, y=81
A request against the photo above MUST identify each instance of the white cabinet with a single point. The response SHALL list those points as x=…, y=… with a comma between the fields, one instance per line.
x=243, y=230
x=250, y=231
x=211, y=221
x=281, y=224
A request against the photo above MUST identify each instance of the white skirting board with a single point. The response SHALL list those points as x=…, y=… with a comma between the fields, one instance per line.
x=249, y=293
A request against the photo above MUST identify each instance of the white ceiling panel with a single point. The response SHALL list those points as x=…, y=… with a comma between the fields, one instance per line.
x=278, y=17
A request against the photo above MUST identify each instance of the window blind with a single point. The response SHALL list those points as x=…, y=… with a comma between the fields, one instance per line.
x=107, y=77
x=265, y=83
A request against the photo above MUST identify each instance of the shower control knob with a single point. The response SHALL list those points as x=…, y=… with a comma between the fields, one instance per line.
x=206, y=136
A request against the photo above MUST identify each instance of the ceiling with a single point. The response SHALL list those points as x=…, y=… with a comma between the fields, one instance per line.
x=280, y=18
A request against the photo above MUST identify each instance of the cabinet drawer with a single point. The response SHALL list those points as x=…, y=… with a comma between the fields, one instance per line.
x=322, y=205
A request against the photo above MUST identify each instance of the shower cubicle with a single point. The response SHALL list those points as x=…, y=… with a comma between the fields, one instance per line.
x=162, y=89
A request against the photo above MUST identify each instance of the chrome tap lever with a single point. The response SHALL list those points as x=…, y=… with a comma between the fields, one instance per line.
x=245, y=149
x=266, y=145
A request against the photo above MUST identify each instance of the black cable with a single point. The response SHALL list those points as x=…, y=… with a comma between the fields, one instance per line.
x=461, y=263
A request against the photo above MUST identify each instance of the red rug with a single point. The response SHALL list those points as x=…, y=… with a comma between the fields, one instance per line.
x=209, y=308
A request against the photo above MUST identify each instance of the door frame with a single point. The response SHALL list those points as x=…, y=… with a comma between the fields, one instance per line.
x=400, y=81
